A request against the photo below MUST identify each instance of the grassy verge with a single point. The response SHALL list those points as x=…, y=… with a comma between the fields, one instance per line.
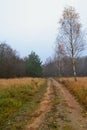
x=79, y=88
x=18, y=103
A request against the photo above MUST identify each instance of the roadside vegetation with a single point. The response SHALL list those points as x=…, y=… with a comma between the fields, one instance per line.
x=79, y=88
x=18, y=100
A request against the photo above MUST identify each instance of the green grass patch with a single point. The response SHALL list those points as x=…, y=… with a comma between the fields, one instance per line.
x=17, y=105
x=68, y=127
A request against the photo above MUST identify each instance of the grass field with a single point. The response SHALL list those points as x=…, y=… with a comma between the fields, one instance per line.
x=18, y=99
x=79, y=88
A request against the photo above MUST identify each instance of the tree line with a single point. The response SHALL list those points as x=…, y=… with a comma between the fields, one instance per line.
x=11, y=65
x=52, y=69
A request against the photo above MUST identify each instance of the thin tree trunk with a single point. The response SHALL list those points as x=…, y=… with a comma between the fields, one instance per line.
x=72, y=48
x=59, y=66
x=74, y=69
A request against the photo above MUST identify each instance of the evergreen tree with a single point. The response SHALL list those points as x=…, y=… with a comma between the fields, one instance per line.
x=33, y=65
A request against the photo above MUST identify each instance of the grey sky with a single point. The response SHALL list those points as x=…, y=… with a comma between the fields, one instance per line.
x=28, y=25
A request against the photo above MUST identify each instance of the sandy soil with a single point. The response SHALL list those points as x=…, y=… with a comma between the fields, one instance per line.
x=45, y=107
x=75, y=112
x=64, y=114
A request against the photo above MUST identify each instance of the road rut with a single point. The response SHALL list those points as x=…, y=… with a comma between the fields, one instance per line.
x=59, y=110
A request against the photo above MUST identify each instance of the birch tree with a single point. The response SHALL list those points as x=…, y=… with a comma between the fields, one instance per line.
x=70, y=35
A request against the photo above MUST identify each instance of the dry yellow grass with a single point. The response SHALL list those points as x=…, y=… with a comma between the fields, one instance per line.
x=79, y=88
x=18, y=82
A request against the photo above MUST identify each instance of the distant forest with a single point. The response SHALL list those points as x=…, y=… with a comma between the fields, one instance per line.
x=52, y=67
x=11, y=65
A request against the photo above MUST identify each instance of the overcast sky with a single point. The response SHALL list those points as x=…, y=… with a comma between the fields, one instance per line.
x=28, y=25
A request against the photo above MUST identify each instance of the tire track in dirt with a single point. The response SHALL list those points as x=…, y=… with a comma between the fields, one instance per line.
x=59, y=110
x=44, y=108
x=74, y=110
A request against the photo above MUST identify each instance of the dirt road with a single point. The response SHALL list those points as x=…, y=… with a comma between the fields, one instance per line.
x=59, y=110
